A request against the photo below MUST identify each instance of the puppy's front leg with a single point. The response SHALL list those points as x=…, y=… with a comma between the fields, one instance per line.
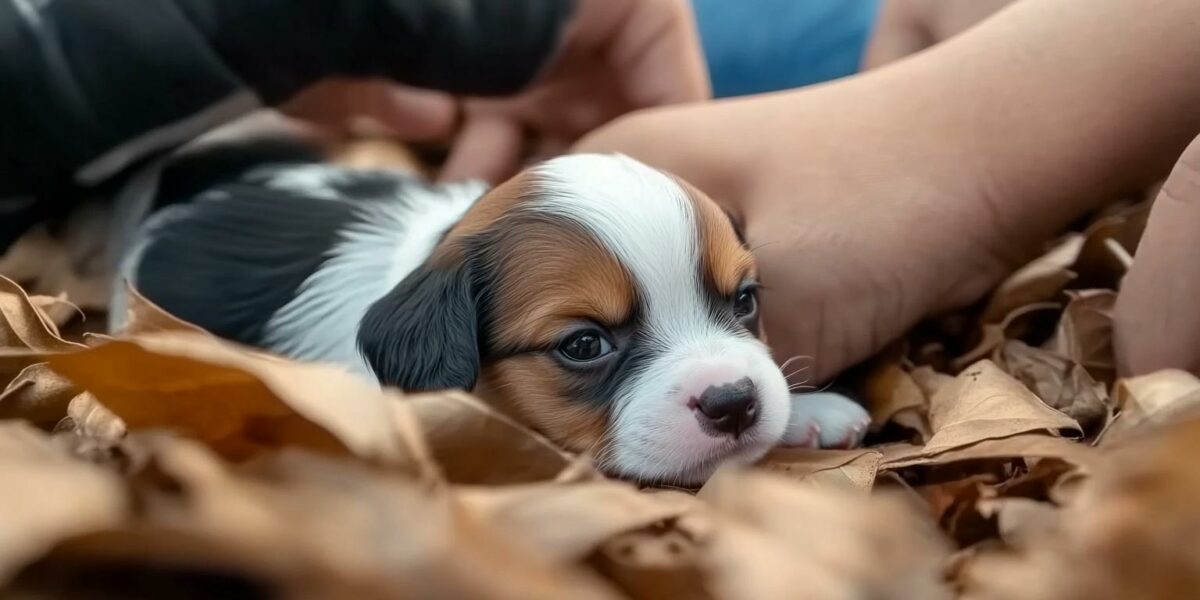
x=825, y=420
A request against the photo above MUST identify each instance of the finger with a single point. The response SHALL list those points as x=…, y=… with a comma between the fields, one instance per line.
x=410, y=114
x=1157, y=324
x=652, y=45
x=488, y=148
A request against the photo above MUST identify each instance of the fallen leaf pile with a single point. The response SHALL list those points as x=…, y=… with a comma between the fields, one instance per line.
x=1005, y=461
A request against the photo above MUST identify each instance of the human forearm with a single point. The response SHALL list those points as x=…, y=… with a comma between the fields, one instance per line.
x=1059, y=105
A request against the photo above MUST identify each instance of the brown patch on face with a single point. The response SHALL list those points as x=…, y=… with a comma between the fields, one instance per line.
x=533, y=388
x=726, y=261
x=546, y=278
x=489, y=209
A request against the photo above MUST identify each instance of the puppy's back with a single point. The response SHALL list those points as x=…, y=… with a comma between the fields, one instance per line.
x=263, y=243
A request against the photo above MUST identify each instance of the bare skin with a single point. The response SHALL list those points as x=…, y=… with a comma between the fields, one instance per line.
x=881, y=199
x=616, y=56
x=908, y=26
x=1157, y=317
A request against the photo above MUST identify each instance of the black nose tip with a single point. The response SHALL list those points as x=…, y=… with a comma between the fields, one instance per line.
x=728, y=409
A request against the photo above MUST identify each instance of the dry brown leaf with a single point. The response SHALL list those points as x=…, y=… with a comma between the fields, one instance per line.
x=566, y=523
x=144, y=316
x=657, y=562
x=39, y=395
x=48, y=496
x=953, y=505
x=1060, y=382
x=1018, y=520
x=56, y=311
x=162, y=562
x=985, y=403
x=1024, y=445
x=844, y=469
x=1084, y=334
x=236, y=401
x=339, y=515
x=476, y=444
x=890, y=391
x=94, y=420
x=780, y=540
x=994, y=335
x=1128, y=534
x=1096, y=265
x=25, y=336
x=1149, y=400
x=73, y=261
x=1039, y=281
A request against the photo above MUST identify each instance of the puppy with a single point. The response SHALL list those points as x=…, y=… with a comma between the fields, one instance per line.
x=604, y=303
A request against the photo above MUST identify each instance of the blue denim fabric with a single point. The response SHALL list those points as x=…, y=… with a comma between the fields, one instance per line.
x=757, y=46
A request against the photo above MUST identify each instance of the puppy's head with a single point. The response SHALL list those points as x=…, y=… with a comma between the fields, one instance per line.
x=607, y=304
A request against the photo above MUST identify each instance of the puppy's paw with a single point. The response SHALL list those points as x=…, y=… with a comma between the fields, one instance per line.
x=825, y=420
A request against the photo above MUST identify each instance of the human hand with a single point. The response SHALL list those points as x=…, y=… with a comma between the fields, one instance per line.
x=1156, y=321
x=616, y=56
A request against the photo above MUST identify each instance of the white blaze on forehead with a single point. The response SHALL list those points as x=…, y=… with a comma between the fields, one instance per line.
x=647, y=220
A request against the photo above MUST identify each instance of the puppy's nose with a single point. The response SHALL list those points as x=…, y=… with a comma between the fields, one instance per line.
x=729, y=408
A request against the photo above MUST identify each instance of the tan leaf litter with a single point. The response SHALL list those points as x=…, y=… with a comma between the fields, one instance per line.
x=1004, y=460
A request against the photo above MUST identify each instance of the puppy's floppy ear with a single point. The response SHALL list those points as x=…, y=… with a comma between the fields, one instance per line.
x=423, y=335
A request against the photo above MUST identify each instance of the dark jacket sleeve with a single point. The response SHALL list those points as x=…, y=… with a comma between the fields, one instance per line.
x=88, y=87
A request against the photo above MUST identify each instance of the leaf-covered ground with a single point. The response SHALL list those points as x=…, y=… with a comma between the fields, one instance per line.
x=1004, y=462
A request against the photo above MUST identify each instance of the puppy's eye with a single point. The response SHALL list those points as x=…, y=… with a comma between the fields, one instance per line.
x=745, y=304
x=585, y=346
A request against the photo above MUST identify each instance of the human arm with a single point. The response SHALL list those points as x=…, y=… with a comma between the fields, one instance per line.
x=878, y=200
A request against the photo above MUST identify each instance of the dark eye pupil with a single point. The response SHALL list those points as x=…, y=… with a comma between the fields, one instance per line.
x=585, y=346
x=744, y=303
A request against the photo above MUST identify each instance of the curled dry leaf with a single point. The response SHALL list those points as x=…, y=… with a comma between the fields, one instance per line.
x=1060, y=382
x=1084, y=334
x=1149, y=400
x=1039, y=281
x=994, y=335
x=384, y=529
x=26, y=337
x=47, y=496
x=985, y=403
x=144, y=316
x=1097, y=265
x=656, y=562
x=774, y=539
x=38, y=395
x=476, y=444
x=893, y=396
x=1019, y=520
x=238, y=402
x=566, y=523
x=1127, y=534
x=1023, y=445
x=94, y=420
x=844, y=469
x=56, y=311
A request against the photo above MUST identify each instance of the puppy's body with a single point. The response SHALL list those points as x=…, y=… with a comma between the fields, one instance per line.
x=603, y=302
x=289, y=256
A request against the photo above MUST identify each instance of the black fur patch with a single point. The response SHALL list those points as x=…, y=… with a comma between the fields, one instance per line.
x=202, y=168
x=423, y=335
x=238, y=256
